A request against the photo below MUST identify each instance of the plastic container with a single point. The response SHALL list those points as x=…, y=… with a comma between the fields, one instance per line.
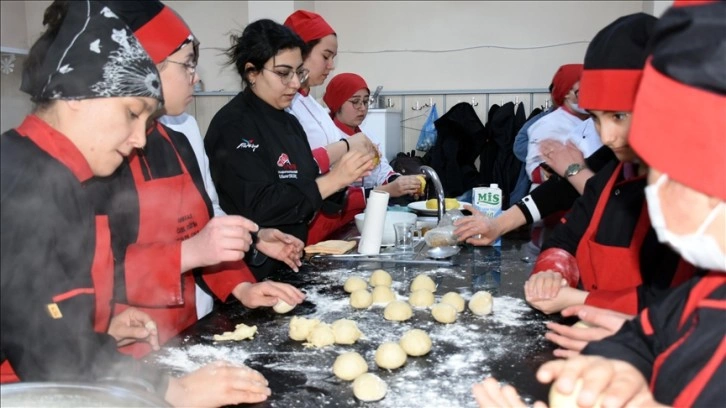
x=488, y=200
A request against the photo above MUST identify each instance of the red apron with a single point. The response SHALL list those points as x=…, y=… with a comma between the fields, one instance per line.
x=323, y=225
x=605, y=267
x=170, y=209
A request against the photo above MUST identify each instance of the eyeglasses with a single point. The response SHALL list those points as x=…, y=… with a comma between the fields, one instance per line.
x=286, y=76
x=577, y=93
x=191, y=67
x=360, y=103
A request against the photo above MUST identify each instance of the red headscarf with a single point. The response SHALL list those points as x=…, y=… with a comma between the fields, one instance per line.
x=342, y=87
x=682, y=3
x=565, y=77
x=308, y=25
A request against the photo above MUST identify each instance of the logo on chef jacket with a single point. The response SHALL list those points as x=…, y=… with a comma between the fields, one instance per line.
x=287, y=168
x=248, y=144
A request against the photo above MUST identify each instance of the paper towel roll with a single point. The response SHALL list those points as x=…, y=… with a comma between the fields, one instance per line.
x=375, y=218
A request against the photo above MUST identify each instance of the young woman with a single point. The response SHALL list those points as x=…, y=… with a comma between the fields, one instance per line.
x=673, y=352
x=259, y=156
x=95, y=88
x=347, y=97
x=166, y=240
x=324, y=138
x=605, y=253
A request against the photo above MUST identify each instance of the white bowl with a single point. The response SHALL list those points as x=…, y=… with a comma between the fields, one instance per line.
x=392, y=217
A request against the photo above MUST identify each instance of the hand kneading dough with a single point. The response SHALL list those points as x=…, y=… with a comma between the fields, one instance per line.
x=361, y=299
x=382, y=295
x=300, y=327
x=397, y=311
x=423, y=282
x=369, y=387
x=241, y=332
x=390, y=355
x=421, y=298
x=583, y=325
x=415, y=342
x=454, y=299
x=320, y=336
x=481, y=303
x=568, y=401
x=346, y=331
x=444, y=313
x=348, y=366
x=380, y=278
x=282, y=307
x=354, y=283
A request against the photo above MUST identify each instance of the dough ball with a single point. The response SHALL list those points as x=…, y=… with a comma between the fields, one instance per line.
x=282, y=307
x=444, y=313
x=300, y=327
x=481, y=303
x=421, y=298
x=369, y=387
x=320, y=336
x=454, y=299
x=416, y=342
x=582, y=325
x=348, y=366
x=379, y=277
x=346, y=331
x=390, y=355
x=568, y=401
x=397, y=311
x=361, y=299
x=383, y=295
x=241, y=332
x=423, y=282
x=355, y=283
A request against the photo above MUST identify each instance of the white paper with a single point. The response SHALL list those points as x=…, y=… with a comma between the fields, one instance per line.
x=375, y=218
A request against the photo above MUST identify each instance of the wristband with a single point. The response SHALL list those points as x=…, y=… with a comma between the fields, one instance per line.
x=347, y=145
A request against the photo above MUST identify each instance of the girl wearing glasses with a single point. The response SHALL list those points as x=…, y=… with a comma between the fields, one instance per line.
x=166, y=241
x=347, y=96
x=260, y=159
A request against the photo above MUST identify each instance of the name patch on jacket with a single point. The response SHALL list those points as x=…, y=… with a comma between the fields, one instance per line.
x=248, y=144
x=287, y=169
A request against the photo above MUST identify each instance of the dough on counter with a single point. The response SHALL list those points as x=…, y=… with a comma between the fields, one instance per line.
x=454, y=299
x=568, y=401
x=444, y=313
x=390, y=355
x=241, y=332
x=361, y=299
x=320, y=336
x=379, y=277
x=421, y=298
x=415, y=342
x=354, y=283
x=369, y=387
x=423, y=282
x=282, y=307
x=398, y=311
x=481, y=303
x=382, y=295
x=348, y=366
x=301, y=327
x=346, y=331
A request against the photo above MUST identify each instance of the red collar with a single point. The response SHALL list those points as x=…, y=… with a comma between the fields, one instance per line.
x=57, y=145
x=303, y=92
x=345, y=128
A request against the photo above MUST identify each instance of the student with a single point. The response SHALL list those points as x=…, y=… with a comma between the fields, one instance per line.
x=347, y=96
x=673, y=352
x=260, y=159
x=604, y=253
x=94, y=88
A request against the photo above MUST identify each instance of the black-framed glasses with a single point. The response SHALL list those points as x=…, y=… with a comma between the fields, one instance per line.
x=191, y=67
x=577, y=93
x=286, y=76
x=360, y=102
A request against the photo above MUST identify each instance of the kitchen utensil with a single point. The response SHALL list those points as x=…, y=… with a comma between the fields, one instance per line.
x=443, y=252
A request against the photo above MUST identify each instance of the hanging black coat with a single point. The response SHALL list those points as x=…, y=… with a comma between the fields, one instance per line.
x=503, y=127
x=460, y=135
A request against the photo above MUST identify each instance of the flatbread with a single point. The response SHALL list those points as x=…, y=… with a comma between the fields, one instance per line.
x=330, y=247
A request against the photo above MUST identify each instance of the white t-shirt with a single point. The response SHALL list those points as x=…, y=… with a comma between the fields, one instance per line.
x=187, y=125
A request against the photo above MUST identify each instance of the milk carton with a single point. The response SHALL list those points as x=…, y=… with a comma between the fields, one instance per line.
x=488, y=200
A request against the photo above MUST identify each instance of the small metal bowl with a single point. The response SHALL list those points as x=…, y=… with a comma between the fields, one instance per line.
x=443, y=252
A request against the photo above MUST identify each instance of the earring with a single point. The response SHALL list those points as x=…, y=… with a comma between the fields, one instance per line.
x=252, y=84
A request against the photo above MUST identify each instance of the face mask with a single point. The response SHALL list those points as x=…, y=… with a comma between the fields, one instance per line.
x=575, y=107
x=697, y=248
